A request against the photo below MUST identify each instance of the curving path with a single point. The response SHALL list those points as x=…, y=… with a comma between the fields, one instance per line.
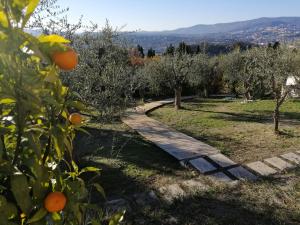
x=189, y=151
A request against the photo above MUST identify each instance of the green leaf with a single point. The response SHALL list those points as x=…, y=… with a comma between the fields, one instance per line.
x=38, y=216
x=53, y=39
x=95, y=222
x=2, y=202
x=10, y=211
x=76, y=104
x=89, y=169
x=20, y=4
x=5, y=167
x=7, y=101
x=20, y=190
x=57, y=137
x=75, y=167
x=3, y=20
x=30, y=9
x=52, y=76
x=56, y=216
x=117, y=218
x=99, y=189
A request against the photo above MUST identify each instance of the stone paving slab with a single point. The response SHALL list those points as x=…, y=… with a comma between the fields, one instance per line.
x=177, y=144
x=202, y=165
x=153, y=105
x=261, y=168
x=292, y=157
x=242, y=174
x=220, y=176
x=222, y=160
x=279, y=163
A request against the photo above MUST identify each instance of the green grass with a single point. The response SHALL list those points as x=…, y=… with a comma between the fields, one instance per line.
x=134, y=165
x=244, y=132
x=125, y=158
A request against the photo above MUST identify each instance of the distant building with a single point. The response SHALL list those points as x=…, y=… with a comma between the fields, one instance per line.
x=294, y=83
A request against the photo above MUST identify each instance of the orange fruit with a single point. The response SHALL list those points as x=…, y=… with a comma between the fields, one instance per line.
x=55, y=202
x=75, y=118
x=67, y=60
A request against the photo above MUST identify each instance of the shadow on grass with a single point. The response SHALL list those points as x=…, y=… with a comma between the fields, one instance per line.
x=209, y=138
x=114, y=181
x=198, y=103
x=221, y=207
x=225, y=206
x=211, y=208
x=202, y=210
x=258, y=116
x=117, y=151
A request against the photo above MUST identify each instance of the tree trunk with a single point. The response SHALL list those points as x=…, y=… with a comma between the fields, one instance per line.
x=233, y=90
x=205, y=92
x=178, y=98
x=248, y=95
x=276, y=120
x=247, y=92
x=142, y=95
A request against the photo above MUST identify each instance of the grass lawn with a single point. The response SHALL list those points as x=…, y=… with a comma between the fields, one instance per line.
x=129, y=163
x=132, y=165
x=244, y=132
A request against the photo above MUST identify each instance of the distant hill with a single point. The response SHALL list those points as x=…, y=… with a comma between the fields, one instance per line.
x=258, y=31
x=249, y=25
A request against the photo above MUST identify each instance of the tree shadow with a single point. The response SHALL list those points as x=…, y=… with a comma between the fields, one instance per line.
x=257, y=116
x=198, y=102
x=211, y=207
x=242, y=117
x=219, y=207
x=115, y=183
x=200, y=208
x=209, y=138
x=122, y=147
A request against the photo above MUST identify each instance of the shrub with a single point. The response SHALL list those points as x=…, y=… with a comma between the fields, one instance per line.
x=35, y=132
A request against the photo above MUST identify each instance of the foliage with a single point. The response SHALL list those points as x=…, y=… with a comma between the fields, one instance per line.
x=171, y=72
x=35, y=133
x=141, y=51
x=262, y=71
x=170, y=50
x=151, y=53
x=49, y=18
x=277, y=64
x=104, y=77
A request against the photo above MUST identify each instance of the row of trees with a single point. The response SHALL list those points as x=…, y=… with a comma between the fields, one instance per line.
x=110, y=75
x=263, y=72
x=151, y=52
x=258, y=72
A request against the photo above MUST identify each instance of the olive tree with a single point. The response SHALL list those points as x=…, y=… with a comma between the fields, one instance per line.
x=239, y=71
x=202, y=73
x=50, y=18
x=104, y=78
x=171, y=72
x=277, y=65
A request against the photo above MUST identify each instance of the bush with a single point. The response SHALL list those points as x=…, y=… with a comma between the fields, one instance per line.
x=35, y=132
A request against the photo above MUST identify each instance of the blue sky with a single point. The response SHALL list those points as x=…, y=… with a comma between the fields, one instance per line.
x=154, y=15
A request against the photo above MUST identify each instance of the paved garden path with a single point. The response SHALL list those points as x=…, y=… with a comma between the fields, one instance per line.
x=189, y=151
x=204, y=158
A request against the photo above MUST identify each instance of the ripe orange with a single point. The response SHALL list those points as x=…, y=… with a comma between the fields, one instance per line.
x=75, y=118
x=67, y=60
x=55, y=202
